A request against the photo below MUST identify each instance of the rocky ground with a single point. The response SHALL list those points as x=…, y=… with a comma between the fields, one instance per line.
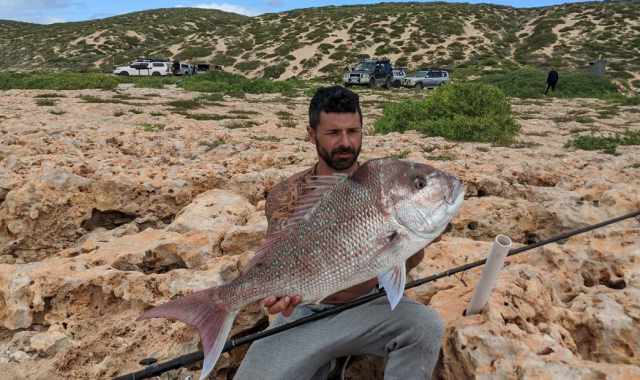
x=108, y=206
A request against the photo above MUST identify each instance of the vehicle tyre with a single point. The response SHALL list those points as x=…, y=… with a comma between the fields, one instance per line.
x=124, y=73
x=387, y=83
x=396, y=83
x=155, y=74
x=372, y=83
x=347, y=84
x=419, y=86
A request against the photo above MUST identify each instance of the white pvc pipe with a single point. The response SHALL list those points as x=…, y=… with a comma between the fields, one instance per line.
x=494, y=264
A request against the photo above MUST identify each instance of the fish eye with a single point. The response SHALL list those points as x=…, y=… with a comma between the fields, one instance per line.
x=419, y=182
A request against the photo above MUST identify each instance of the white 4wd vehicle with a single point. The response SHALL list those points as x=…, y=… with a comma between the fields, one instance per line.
x=144, y=68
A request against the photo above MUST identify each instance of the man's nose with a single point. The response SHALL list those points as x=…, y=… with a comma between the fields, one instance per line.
x=344, y=139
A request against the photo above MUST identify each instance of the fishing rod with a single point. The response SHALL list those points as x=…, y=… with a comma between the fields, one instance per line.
x=185, y=360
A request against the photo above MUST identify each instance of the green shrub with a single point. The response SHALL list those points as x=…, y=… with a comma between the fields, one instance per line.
x=247, y=65
x=181, y=105
x=461, y=111
x=325, y=47
x=223, y=60
x=274, y=71
x=193, y=52
x=130, y=40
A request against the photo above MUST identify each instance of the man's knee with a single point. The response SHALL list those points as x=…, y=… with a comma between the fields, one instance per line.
x=423, y=322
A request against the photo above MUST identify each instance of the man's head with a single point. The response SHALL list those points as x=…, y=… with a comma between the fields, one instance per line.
x=335, y=126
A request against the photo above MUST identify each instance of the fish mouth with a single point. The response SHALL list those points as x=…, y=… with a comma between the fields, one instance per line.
x=456, y=188
x=456, y=197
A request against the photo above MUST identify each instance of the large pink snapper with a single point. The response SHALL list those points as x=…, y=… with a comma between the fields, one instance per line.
x=344, y=231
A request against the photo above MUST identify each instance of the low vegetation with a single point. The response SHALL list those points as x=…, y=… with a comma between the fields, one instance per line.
x=234, y=85
x=183, y=105
x=607, y=144
x=531, y=83
x=46, y=102
x=285, y=120
x=57, y=81
x=235, y=124
x=217, y=83
x=147, y=127
x=462, y=112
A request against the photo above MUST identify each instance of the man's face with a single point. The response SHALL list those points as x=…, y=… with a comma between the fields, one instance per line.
x=338, y=139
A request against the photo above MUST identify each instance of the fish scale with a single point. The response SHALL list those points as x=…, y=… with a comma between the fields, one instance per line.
x=343, y=232
x=332, y=233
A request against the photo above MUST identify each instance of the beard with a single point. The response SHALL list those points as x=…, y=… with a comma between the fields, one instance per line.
x=336, y=162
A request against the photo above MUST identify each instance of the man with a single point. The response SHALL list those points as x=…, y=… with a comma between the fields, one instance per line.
x=409, y=337
x=552, y=80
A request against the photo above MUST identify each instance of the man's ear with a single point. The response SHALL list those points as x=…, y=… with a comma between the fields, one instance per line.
x=312, y=135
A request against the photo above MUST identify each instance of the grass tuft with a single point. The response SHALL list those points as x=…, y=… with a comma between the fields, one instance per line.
x=152, y=127
x=46, y=102
x=607, y=144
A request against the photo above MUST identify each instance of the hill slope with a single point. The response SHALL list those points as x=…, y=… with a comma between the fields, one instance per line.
x=321, y=41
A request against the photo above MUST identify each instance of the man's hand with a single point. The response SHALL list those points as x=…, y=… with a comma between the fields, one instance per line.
x=284, y=305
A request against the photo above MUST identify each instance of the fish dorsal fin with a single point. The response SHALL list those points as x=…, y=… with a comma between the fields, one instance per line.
x=313, y=189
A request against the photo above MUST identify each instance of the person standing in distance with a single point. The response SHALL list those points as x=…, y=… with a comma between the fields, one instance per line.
x=552, y=80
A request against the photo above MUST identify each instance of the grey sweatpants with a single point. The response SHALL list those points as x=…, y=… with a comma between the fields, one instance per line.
x=409, y=338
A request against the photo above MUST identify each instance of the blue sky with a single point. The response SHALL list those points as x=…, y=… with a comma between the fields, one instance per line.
x=50, y=11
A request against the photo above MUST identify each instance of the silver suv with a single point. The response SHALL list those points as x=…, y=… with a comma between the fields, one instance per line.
x=427, y=78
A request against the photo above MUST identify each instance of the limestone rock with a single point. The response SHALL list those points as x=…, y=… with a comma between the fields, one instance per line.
x=241, y=239
x=49, y=343
x=212, y=211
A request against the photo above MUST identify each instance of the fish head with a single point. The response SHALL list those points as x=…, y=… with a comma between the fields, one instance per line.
x=422, y=198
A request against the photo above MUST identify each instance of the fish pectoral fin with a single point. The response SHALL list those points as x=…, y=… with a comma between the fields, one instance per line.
x=393, y=282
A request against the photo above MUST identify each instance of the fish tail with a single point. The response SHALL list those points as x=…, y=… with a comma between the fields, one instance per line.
x=206, y=312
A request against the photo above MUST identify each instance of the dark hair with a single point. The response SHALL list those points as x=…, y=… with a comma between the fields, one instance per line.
x=333, y=99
